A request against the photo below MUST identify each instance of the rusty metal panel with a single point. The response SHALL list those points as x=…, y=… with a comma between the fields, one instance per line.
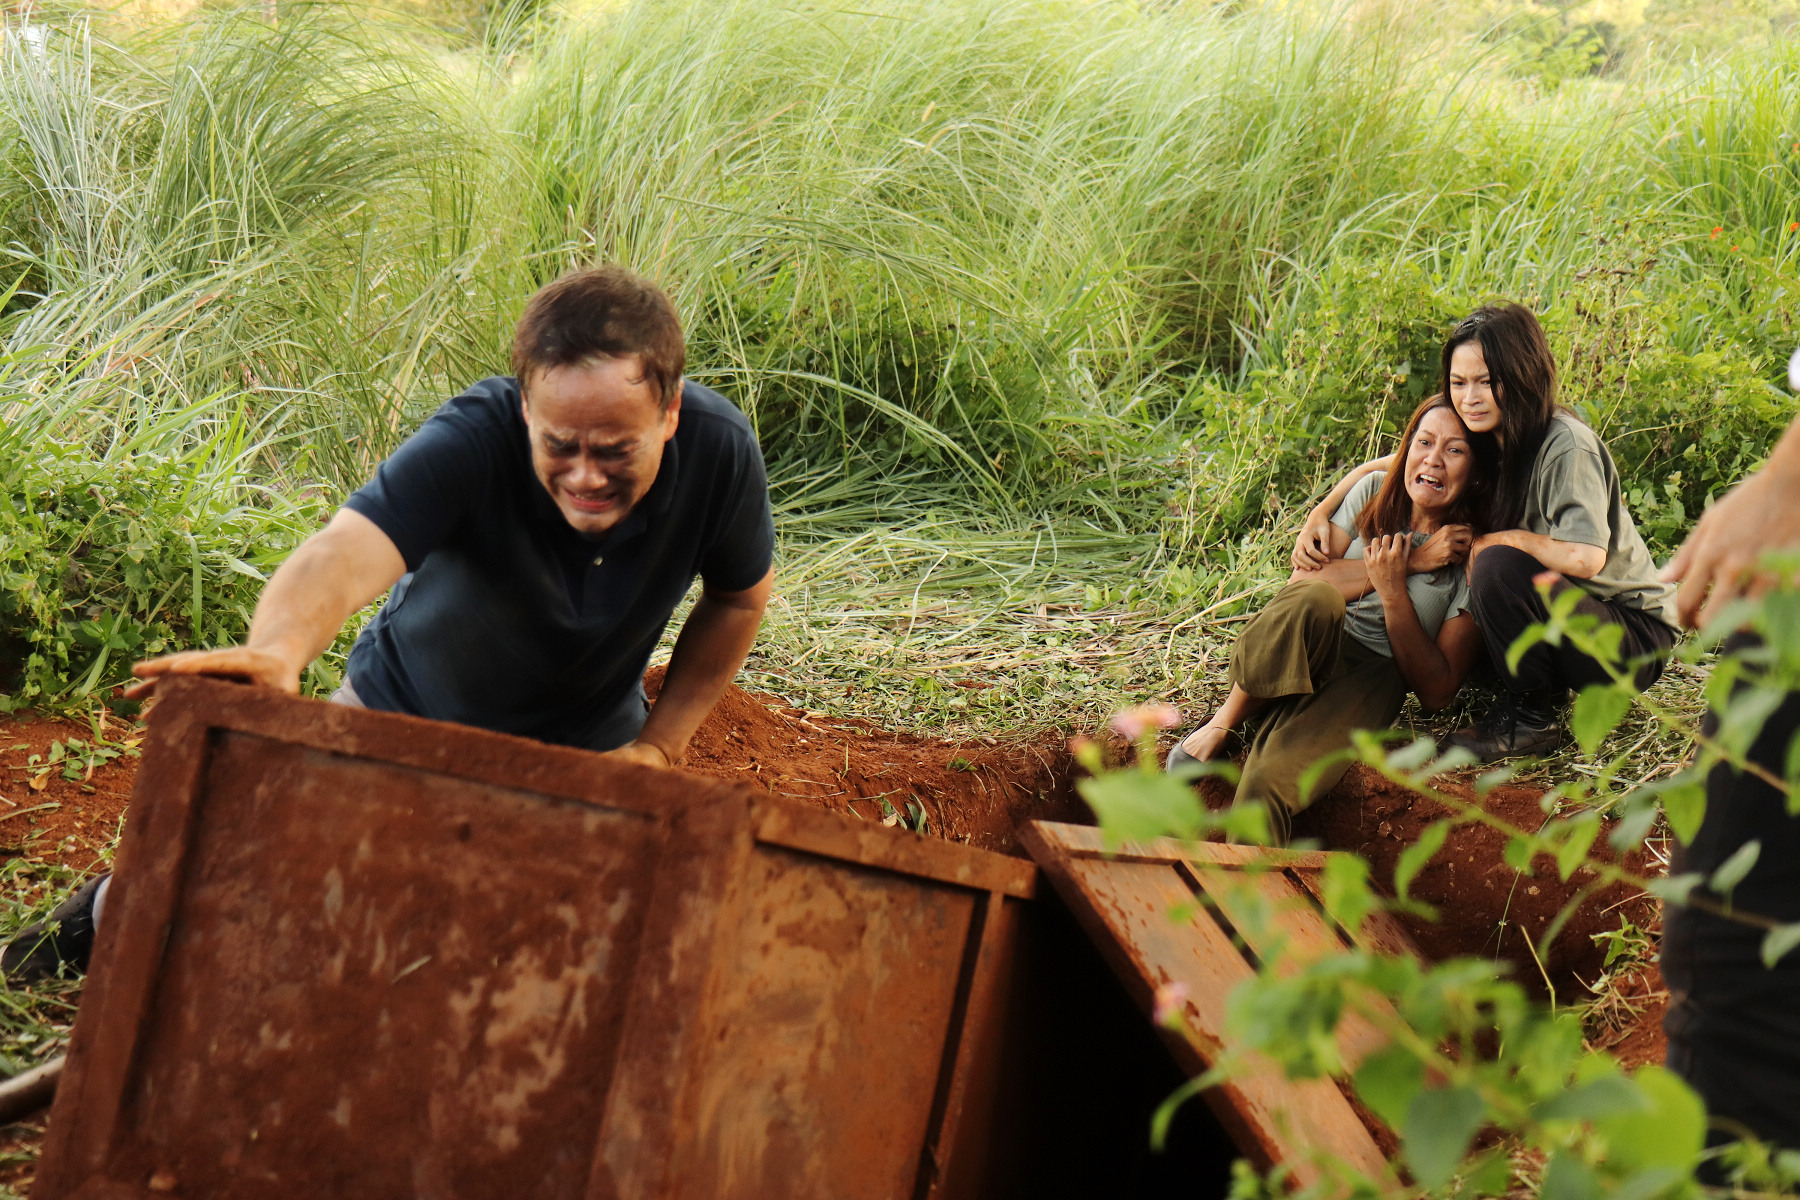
x=837, y=1049
x=1127, y=901
x=353, y=953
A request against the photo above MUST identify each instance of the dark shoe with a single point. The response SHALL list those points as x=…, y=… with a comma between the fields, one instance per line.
x=1179, y=759
x=1519, y=725
x=63, y=939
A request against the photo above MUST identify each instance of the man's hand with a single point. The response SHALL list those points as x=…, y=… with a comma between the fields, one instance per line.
x=1385, y=558
x=1448, y=545
x=1312, y=549
x=335, y=572
x=234, y=662
x=1719, y=561
x=643, y=753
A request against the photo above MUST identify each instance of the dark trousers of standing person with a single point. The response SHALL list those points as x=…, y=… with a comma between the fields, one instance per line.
x=1733, y=1023
x=1505, y=601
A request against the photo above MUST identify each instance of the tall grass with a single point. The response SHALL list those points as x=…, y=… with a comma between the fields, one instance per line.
x=990, y=276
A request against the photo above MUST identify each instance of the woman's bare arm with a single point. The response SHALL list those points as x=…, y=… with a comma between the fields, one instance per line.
x=1577, y=560
x=1434, y=670
x=1309, y=547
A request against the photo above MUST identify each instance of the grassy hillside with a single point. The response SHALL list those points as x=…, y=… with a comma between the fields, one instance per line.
x=1050, y=315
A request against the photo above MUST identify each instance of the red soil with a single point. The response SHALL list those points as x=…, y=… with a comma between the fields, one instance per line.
x=975, y=791
x=49, y=819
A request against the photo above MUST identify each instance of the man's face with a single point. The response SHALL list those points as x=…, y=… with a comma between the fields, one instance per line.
x=597, y=437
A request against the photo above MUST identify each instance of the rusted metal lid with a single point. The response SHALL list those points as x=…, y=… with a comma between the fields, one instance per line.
x=1193, y=920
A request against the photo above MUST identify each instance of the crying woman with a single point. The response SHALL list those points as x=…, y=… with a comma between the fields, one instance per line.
x=1341, y=645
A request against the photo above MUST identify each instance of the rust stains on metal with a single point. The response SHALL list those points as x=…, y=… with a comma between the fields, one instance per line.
x=352, y=955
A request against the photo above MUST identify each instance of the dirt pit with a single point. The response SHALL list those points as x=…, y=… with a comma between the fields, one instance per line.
x=977, y=791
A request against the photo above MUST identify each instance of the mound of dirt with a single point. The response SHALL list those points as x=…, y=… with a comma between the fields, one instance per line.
x=978, y=792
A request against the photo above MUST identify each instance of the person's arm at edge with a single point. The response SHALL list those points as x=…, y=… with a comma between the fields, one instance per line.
x=334, y=573
x=711, y=648
x=1309, y=547
x=1717, y=562
x=1434, y=669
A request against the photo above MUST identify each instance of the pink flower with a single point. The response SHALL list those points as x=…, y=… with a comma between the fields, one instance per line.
x=1170, y=999
x=1134, y=721
x=1546, y=579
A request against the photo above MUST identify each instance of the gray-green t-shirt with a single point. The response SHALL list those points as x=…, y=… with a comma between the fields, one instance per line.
x=1575, y=497
x=1436, y=595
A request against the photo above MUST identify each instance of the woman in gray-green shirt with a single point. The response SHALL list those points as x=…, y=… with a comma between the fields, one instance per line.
x=1559, y=509
x=1338, y=648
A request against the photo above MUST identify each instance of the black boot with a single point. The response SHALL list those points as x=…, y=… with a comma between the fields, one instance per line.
x=1527, y=723
x=64, y=938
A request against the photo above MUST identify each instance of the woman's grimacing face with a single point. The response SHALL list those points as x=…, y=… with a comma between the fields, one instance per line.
x=1471, y=390
x=1438, y=462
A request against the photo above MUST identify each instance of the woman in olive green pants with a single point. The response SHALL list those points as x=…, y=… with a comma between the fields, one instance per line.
x=1338, y=648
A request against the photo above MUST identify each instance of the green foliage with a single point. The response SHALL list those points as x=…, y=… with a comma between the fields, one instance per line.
x=1467, y=1050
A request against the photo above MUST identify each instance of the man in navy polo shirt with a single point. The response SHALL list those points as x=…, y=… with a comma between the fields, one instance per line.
x=537, y=533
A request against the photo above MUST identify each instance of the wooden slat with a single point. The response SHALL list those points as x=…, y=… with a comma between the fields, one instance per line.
x=1088, y=840
x=833, y=835
x=1127, y=907
x=1270, y=911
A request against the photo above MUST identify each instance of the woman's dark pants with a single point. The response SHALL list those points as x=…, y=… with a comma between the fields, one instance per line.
x=1504, y=601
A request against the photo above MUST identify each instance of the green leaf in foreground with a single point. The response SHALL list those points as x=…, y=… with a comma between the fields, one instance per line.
x=1572, y=852
x=1597, y=712
x=1438, y=1128
x=1519, y=852
x=1666, y=1130
x=1778, y=942
x=1414, y=857
x=1675, y=888
x=1685, y=806
x=1133, y=806
x=1731, y=872
x=1568, y=1178
x=1388, y=1081
x=1606, y=1096
x=1345, y=890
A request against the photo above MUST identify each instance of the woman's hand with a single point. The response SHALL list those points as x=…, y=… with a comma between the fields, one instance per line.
x=1385, y=559
x=1448, y=545
x=1312, y=549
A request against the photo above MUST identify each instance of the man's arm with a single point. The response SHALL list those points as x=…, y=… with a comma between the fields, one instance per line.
x=333, y=574
x=1718, y=562
x=712, y=646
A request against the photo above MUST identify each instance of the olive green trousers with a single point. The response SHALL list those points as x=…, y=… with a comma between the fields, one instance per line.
x=1321, y=686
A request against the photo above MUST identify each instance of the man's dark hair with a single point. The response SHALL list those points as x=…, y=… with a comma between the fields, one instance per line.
x=1523, y=375
x=601, y=312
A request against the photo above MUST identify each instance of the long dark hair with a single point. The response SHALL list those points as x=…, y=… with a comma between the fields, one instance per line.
x=1522, y=373
x=1391, y=509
